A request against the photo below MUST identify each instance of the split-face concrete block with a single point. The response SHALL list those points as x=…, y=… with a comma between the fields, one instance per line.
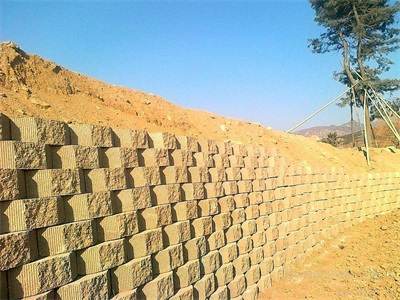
x=117, y=226
x=176, y=233
x=154, y=157
x=194, y=248
x=183, y=293
x=155, y=217
x=131, y=138
x=201, y=226
x=162, y=140
x=214, y=189
x=220, y=294
x=168, y=259
x=193, y=191
x=208, y=146
x=198, y=174
x=221, y=160
x=174, y=175
x=181, y=158
x=12, y=184
x=87, y=206
x=204, y=287
x=104, y=179
x=161, y=287
x=217, y=174
x=216, y=240
x=236, y=161
x=20, y=155
x=226, y=204
x=116, y=157
x=89, y=135
x=187, y=143
x=225, y=274
x=222, y=221
x=210, y=262
x=131, y=199
x=238, y=216
x=187, y=274
x=229, y=253
x=253, y=275
x=233, y=173
x=208, y=207
x=203, y=160
x=185, y=210
x=233, y=233
x=165, y=194
x=242, y=264
x=230, y=187
x=256, y=256
x=144, y=176
x=75, y=157
x=144, y=243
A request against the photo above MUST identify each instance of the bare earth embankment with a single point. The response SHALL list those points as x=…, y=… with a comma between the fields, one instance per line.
x=361, y=263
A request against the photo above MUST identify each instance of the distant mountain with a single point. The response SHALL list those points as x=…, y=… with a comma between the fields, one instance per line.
x=323, y=131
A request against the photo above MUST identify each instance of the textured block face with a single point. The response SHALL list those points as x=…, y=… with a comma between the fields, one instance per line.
x=16, y=249
x=90, y=286
x=233, y=173
x=203, y=160
x=162, y=140
x=184, y=294
x=208, y=146
x=198, y=174
x=165, y=194
x=41, y=275
x=128, y=295
x=202, y=226
x=176, y=233
x=66, y=238
x=154, y=157
x=118, y=158
x=194, y=248
x=145, y=243
x=168, y=259
x=99, y=180
x=131, y=138
x=237, y=286
x=193, y=191
x=208, y=207
x=162, y=287
x=131, y=275
x=19, y=155
x=224, y=274
x=188, y=143
x=75, y=157
x=101, y=257
x=184, y=211
x=87, y=206
x=12, y=184
x=174, y=175
x=155, y=217
x=221, y=160
x=44, y=183
x=30, y=214
x=222, y=221
x=145, y=176
x=88, y=135
x=220, y=294
x=216, y=240
x=204, y=287
x=132, y=199
x=187, y=274
x=210, y=262
x=229, y=253
x=181, y=158
x=40, y=131
x=117, y=226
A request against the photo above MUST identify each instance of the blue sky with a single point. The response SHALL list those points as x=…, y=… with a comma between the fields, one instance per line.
x=243, y=59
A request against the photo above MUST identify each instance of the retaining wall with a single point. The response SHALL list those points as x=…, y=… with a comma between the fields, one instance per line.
x=91, y=212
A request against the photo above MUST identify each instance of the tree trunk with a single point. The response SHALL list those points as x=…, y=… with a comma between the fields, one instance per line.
x=367, y=118
x=352, y=124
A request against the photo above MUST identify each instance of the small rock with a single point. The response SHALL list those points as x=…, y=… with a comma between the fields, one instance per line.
x=169, y=117
x=40, y=103
x=384, y=227
x=147, y=102
x=3, y=95
x=223, y=128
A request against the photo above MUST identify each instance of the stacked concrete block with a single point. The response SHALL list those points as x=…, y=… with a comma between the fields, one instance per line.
x=91, y=212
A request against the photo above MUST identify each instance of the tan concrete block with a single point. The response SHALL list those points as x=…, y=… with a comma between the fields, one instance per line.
x=174, y=175
x=241, y=200
x=216, y=240
x=183, y=293
x=250, y=162
x=265, y=209
x=132, y=199
x=89, y=135
x=253, y=275
x=277, y=274
x=208, y=207
x=269, y=249
x=242, y=264
x=162, y=140
x=116, y=157
x=220, y=294
x=156, y=216
x=233, y=233
x=239, y=149
x=187, y=274
x=252, y=212
x=176, y=233
x=44, y=183
x=201, y=226
x=229, y=253
x=214, y=189
x=104, y=179
x=230, y=187
x=66, y=238
x=194, y=248
x=186, y=210
x=144, y=243
x=265, y=283
x=256, y=256
x=20, y=155
x=93, y=286
x=181, y=158
x=198, y=174
x=187, y=143
x=259, y=185
x=210, y=262
x=245, y=244
x=236, y=161
x=41, y=275
x=87, y=206
x=267, y=266
x=245, y=186
x=131, y=275
x=165, y=194
x=128, y=295
x=255, y=198
x=208, y=146
x=168, y=259
x=248, y=173
x=259, y=238
x=144, y=176
x=225, y=148
x=204, y=287
x=30, y=214
x=193, y=191
x=251, y=292
x=217, y=174
x=226, y=204
x=38, y=130
x=225, y=274
x=237, y=286
x=75, y=157
x=101, y=257
x=154, y=157
x=17, y=248
x=263, y=223
x=117, y=226
x=238, y=216
x=131, y=138
x=162, y=287
x=5, y=129
x=221, y=160
x=203, y=160
x=249, y=227
x=233, y=173
x=222, y=221
x=272, y=233
x=12, y=184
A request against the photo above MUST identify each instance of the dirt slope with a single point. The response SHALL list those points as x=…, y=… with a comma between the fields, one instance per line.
x=32, y=86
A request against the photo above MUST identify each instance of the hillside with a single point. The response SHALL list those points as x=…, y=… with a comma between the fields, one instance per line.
x=33, y=86
x=323, y=131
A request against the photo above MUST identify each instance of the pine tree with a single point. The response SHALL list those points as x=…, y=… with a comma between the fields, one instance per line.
x=364, y=32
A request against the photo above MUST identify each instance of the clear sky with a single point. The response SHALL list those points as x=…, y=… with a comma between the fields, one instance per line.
x=243, y=59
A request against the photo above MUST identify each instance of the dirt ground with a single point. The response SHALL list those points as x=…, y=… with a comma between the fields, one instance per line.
x=361, y=262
